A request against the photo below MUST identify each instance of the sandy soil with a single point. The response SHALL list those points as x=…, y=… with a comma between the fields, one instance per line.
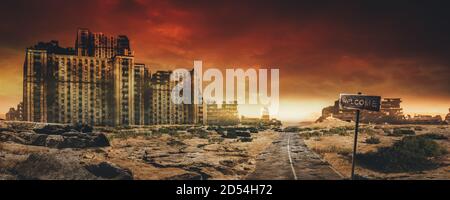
x=336, y=149
x=163, y=156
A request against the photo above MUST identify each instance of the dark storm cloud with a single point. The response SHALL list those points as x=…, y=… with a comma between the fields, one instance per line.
x=322, y=47
x=388, y=28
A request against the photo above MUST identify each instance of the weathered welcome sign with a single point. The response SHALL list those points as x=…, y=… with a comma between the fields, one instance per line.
x=361, y=102
x=358, y=102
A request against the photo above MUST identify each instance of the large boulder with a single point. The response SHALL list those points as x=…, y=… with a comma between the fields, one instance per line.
x=6, y=175
x=100, y=140
x=109, y=170
x=51, y=129
x=75, y=142
x=7, y=136
x=28, y=136
x=39, y=139
x=57, y=136
x=64, y=167
x=49, y=167
x=82, y=140
x=56, y=129
x=6, y=129
x=54, y=141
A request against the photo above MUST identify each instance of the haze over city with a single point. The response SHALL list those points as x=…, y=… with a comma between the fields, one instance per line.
x=321, y=49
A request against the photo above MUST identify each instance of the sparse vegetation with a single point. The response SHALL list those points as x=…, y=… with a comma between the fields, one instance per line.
x=397, y=132
x=198, y=132
x=367, y=130
x=334, y=149
x=373, y=140
x=342, y=131
x=338, y=131
x=434, y=136
x=293, y=129
x=412, y=153
x=310, y=134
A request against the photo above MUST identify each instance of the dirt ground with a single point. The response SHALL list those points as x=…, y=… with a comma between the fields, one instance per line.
x=166, y=157
x=162, y=156
x=336, y=149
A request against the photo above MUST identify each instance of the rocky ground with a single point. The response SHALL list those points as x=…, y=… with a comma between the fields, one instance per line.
x=336, y=147
x=53, y=151
x=36, y=151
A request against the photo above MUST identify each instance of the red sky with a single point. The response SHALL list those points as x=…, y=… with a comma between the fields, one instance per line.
x=392, y=49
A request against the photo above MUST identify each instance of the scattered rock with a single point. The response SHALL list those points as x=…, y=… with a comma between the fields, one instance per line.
x=173, y=142
x=75, y=142
x=54, y=141
x=50, y=130
x=186, y=176
x=38, y=139
x=49, y=167
x=28, y=136
x=6, y=136
x=89, y=156
x=71, y=134
x=228, y=163
x=71, y=139
x=225, y=170
x=5, y=175
x=109, y=170
x=60, y=129
x=100, y=140
x=4, y=129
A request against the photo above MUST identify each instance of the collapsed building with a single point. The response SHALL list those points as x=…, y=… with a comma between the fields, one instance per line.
x=447, y=117
x=98, y=83
x=424, y=119
x=15, y=114
x=390, y=112
x=224, y=114
x=264, y=120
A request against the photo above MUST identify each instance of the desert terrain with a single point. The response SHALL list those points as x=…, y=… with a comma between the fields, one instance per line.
x=132, y=153
x=306, y=151
x=333, y=140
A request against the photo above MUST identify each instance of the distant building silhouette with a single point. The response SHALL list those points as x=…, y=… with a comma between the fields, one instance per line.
x=224, y=115
x=390, y=112
x=15, y=114
x=447, y=117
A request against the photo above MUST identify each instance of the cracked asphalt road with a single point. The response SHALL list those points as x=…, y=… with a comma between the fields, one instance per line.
x=288, y=158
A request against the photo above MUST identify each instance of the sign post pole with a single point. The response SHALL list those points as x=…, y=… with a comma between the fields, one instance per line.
x=358, y=102
x=355, y=142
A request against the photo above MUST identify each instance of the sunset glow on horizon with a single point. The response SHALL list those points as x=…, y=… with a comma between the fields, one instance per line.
x=321, y=51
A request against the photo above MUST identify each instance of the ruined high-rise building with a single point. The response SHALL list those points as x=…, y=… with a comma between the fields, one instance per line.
x=96, y=83
x=99, y=83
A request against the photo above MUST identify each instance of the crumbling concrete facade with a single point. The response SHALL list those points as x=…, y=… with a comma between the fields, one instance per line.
x=95, y=83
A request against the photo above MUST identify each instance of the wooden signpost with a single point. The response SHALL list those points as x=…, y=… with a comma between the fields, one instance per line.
x=358, y=102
